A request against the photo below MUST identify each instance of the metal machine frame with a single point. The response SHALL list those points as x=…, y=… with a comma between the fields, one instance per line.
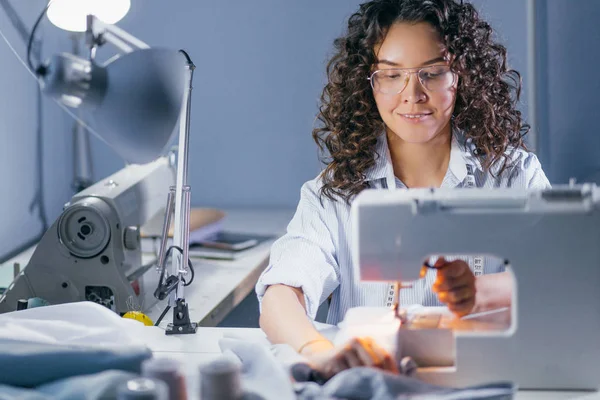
x=551, y=239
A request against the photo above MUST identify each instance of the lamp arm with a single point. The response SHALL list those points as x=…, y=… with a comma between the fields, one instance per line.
x=181, y=235
x=98, y=33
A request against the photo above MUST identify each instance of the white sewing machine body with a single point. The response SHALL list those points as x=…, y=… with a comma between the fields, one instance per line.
x=92, y=252
x=550, y=338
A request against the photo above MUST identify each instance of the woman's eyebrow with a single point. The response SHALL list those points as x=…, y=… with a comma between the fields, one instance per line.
x=393, y=64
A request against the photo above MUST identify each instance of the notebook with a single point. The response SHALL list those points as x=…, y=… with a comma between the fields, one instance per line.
x=227, y=245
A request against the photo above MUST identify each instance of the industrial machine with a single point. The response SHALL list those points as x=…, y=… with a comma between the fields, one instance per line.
x=92, y=252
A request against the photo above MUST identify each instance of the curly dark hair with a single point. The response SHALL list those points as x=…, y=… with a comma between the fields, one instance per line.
x=485, y=108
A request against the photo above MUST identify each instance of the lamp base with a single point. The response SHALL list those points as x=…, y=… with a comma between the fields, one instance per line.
x=181, y=320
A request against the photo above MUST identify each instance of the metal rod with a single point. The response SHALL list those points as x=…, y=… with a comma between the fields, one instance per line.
x=164, y=237
x=114, y=35
x=187, y=121
x=181, y=217
x=117, y=42
x=82, y=156
x=98, y=32
x=186, y=241
x=186, y=225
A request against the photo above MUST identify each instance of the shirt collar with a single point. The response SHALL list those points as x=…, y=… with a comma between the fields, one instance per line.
x=461, y=156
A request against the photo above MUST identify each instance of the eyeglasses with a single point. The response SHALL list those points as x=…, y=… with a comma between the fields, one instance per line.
x=394, y=80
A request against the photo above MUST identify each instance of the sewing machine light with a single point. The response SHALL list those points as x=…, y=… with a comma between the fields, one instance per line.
x=71, y=15
x=135, y=99
x=133, y=102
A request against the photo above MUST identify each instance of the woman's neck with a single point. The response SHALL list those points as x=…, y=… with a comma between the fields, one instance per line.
x=420, y=164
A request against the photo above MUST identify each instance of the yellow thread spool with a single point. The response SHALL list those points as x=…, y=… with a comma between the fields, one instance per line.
x=138, y=316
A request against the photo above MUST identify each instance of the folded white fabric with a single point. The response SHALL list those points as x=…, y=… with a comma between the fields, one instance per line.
x=83, y=323
x=378, y=323
x=47, y=344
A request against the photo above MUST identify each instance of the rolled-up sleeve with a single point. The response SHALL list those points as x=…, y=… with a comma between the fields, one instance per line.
x=305, y=257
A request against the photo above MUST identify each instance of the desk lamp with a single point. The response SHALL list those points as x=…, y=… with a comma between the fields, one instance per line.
x=133, y=102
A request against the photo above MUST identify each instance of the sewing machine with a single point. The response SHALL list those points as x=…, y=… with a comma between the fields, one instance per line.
x=550, y=239
x=92, y=251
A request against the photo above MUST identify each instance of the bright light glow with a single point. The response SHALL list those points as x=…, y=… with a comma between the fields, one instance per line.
x=71, y=15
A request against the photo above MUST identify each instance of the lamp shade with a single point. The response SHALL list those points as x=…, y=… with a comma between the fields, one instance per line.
x=71, y=15
x=133, y=102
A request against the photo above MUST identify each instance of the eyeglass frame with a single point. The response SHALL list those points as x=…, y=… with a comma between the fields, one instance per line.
x=411, y=71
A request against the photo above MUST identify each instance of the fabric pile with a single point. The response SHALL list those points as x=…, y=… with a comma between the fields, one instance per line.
x=43, y=356
x=85, y=351
x=265, y=375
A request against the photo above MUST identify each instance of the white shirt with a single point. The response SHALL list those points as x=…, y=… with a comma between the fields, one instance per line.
x=315, y=253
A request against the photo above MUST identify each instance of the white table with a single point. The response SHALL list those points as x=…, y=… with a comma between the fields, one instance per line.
x=218, y=286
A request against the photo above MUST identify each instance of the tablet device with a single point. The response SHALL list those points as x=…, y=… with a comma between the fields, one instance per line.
x=226, y=240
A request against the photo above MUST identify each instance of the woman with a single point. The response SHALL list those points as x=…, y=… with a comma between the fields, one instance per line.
x=419, y=95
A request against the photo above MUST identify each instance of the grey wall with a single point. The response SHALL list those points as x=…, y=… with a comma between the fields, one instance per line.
x=260, y=70
x=508, y=18
x=567, y=82
x=572, y=58
x=18, y=139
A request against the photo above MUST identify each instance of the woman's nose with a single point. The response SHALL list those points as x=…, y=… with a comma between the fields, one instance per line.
x=414, y=91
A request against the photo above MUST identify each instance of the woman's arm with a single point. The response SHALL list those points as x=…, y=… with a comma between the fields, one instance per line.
x=284, y=320
x=493, y=291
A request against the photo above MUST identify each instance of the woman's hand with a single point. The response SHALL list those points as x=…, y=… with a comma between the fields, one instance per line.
x=455, y=286
x=358, y=352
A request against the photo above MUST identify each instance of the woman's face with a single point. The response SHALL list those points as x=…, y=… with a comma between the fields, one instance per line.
x=416, y=114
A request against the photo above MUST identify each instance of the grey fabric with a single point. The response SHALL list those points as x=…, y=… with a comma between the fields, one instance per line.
x=101, y=386
x=368, y=383
x=266, y=377
x=28, y=364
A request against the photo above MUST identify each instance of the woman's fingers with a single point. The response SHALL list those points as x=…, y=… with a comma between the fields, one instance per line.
x=373, y=355
x=358, y=352
x=462, y=308
x=455, y=286
x=444, y=285
x=366, y=354
x=457, y=295
x=452, y=269
x=352, y=358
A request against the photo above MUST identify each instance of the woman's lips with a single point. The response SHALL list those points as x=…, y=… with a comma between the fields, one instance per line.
x=416, y=118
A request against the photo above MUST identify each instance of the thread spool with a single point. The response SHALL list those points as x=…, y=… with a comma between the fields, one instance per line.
x=139, y=316
x=143, y=389
x=220, y=380
x=167, y=370
x=408, y=366
x=21, y=304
